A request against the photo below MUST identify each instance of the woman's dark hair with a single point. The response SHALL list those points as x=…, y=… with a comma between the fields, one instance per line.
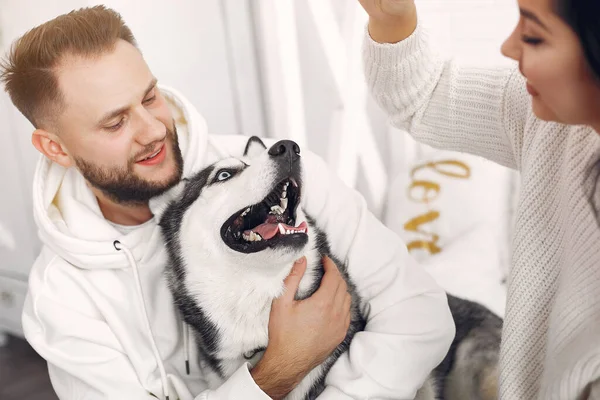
x=583, y=16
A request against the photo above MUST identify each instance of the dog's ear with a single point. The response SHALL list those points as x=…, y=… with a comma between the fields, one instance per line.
x=254, y=147
x=159, y=204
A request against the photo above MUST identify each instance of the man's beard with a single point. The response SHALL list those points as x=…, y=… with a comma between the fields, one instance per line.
x=122, y=186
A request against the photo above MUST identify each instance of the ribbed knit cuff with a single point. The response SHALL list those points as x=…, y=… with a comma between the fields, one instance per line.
x=401, y=75
x=392, y=54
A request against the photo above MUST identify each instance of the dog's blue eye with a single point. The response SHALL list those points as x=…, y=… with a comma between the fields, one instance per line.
x=223, y=175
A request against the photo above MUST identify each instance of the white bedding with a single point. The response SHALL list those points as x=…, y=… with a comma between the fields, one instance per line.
x=468, y=204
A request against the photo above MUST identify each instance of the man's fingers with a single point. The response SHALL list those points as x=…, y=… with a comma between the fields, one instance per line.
x=340, y=294
x=347, y=322
x=347, y=304
x=292, y=281
x=344, y=306
x=329, y=265
x=331, y=279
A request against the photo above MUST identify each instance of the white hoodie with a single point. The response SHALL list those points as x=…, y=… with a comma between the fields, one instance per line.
x=101, y=314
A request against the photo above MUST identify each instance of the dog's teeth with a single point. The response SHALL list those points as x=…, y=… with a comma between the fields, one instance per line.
x=284, y=194
x=252, y=237
x=277, y=210
x=246, y=212
x=283, y=203
x=281, y=229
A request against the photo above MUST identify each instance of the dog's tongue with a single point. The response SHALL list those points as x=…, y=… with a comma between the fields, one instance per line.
x=270, y=228
x=266, y=230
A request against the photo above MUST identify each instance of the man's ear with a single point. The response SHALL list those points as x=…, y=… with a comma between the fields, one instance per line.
x=50, y=145
x=254, y=147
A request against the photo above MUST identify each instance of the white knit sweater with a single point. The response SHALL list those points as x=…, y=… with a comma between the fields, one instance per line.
x=551, y=340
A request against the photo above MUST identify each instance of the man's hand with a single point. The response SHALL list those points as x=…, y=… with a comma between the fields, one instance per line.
x=390, y=21
x=302, y=334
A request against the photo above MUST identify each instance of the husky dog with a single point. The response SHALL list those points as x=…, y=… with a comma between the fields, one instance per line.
x=233, y=232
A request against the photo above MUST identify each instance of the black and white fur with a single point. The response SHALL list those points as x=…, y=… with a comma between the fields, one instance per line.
x=224, y=284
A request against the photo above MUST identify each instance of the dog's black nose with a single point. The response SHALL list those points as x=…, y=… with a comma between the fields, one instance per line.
x=285, y=148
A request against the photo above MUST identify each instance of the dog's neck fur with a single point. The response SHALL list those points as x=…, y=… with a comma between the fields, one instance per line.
x=218, y=288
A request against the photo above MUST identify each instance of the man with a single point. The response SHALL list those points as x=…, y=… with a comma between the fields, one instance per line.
x=98, y=308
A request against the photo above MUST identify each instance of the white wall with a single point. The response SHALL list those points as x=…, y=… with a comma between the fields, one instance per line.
x=470, y=30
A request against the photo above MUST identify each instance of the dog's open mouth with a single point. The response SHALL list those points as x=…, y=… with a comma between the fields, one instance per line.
x=269, y=223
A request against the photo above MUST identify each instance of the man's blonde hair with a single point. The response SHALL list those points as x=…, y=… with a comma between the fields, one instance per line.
x=28, y=69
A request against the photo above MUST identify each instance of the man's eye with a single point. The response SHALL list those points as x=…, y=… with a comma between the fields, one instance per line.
x=116, y=126
x=150, y=100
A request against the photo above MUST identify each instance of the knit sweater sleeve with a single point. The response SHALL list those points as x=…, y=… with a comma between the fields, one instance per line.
x=481, y=111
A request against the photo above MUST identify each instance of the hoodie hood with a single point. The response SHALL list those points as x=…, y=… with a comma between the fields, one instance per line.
x=69, y=218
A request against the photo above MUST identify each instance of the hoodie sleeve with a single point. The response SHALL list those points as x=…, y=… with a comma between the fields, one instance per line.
x=409, y=326
x=239, y=386
x=85, y=358
x=482, y=111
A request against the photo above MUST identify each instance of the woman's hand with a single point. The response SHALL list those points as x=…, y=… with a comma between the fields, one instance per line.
x=390, y=21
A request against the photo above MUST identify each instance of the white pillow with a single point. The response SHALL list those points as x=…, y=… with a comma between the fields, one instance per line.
x=437, y=196
x=465, y=269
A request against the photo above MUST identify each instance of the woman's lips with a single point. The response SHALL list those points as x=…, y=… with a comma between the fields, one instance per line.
x=531, y=90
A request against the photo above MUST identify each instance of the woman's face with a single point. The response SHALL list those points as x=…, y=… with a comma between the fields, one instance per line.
x=551, y=58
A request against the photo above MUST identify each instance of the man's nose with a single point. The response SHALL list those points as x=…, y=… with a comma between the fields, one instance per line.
x=150, y=129
x=285, y=149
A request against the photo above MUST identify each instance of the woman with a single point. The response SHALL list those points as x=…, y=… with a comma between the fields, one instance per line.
x=542, y=118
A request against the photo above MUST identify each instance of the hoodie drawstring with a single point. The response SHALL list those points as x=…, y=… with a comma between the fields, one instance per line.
x=161, y=367
x=186, y=347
